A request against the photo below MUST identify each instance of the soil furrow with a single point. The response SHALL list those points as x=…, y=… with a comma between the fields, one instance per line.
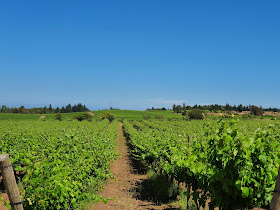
x=123, y=189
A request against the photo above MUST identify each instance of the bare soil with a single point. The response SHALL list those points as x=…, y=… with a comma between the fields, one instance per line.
x=4, y=198
x=272, y=113
x=124, y=188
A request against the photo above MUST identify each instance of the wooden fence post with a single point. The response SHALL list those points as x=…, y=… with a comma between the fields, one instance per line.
x=275, y=203
x=10, y=182
x=189, y=139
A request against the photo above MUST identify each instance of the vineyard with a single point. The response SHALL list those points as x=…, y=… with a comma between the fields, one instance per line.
x=232, y=163
x=63, y=164
x=59, y=165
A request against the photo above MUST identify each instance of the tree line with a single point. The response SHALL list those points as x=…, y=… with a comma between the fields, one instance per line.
x=157, y=109
x=44, y=110
x=215, y=108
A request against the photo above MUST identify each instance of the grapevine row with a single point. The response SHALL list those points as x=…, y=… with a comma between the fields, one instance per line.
x=59, y=165
x=230, y=163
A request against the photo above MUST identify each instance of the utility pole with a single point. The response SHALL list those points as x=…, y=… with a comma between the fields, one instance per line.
x=110, y=107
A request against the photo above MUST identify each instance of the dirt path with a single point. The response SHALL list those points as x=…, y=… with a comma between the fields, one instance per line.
x=124, y=188
x=92, y=114
x=4, y=197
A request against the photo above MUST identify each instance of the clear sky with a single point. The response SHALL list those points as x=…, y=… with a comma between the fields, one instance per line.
x=139, y=53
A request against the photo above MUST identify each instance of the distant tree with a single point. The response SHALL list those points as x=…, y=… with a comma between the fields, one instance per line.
x=178, y=109
x=45, y=110
x=34, y=111
x=62, y=110
x=75, y=108
x=5, y=109
x=57, y=110
x=216, y=107
x=79, y=108
x=227, y=107
x=68, y=108
x=240, y=108
x=275, y=110
x=40, y=111
x=108, y=116
x=261, y=110
x=50, y=110
x=21, y=109
x=196, y=114
x=249, y=107
x=85, y=109
x=83, y=116
x=174, y=108
x=184, y=107
x=256, y=110
x=15, y=110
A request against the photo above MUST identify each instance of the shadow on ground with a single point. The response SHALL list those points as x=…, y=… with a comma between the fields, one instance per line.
x=158, y=189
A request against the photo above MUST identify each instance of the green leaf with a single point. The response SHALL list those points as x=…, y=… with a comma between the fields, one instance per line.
x=245, y=191
x=235, y=152
x=105, y=200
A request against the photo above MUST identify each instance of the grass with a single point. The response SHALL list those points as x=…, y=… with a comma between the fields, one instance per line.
x=49, y=117
x=134, y=115
x=128, y=114
x=119, y=114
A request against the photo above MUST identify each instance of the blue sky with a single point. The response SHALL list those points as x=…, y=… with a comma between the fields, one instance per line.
x=139, y=54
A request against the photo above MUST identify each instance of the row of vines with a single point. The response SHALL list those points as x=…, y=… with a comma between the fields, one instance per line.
x=59, y=165
x=233, y=163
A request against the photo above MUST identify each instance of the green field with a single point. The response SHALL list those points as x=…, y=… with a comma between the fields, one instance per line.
x=32, y=117
x=119, y=114
x=138, y=115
